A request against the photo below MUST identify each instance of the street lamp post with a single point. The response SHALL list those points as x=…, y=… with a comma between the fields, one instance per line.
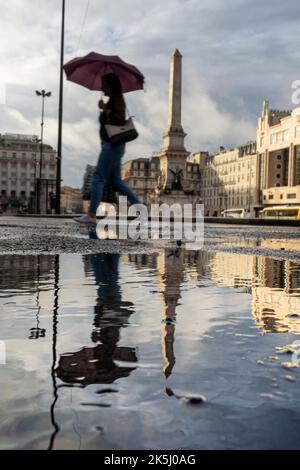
x=60, y=112
x=43, y=94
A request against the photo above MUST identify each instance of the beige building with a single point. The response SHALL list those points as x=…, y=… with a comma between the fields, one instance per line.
x=141, y=175
x=228, y=179
x=278, y=148
x=19, y=167
x=71, y=200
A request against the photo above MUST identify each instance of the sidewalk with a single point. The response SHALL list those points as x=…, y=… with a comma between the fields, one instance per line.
x=52, y=235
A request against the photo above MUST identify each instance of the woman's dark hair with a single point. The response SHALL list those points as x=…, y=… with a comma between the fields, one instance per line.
x=114, y=84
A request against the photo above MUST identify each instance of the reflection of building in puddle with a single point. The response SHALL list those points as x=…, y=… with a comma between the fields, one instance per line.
x=286, y=244
x=18, y=271
x=99, y=364
x=30, y=274
x=274, y=285
x=142, y=260
x=229, y=269
x=276, y=296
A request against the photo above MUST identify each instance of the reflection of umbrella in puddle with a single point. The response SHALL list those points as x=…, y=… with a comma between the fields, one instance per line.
x=95, y=366
x=99, y=364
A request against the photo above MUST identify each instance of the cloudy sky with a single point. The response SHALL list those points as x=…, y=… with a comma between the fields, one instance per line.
x=235, y=54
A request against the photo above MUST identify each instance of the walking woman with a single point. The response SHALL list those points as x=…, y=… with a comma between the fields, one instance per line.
x=108, y=169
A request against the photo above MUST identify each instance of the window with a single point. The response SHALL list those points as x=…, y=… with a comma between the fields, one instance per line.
x=271, y=196
x=278, y=176
x=279, y=157
x=278, y=167
x=285, y=136
x=291, y=196
x=278, y=185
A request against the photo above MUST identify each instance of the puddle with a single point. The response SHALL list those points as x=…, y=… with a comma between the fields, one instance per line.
x=144, y=351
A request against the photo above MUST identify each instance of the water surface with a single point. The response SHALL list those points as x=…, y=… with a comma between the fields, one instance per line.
x=95, y=344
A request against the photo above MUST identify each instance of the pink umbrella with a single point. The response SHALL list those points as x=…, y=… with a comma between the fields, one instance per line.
x=89, y=70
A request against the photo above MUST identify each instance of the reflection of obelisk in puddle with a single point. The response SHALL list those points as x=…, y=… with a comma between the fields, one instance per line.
x=173, y=156
x=170, y=268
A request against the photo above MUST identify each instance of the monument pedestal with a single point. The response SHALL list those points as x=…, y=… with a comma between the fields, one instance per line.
x=175, y=197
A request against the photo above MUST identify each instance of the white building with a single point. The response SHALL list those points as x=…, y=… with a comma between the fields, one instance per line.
x=229, y=179
x=20, y=166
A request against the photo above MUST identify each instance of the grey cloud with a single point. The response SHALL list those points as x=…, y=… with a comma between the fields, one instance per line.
x=236, y=53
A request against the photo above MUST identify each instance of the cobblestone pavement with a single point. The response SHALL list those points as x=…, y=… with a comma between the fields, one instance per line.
x=51, y=235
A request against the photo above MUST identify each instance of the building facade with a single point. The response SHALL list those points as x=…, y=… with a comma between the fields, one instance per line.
x=278, y=149
x=71, y=200
x=228, y=179
x=20, y=168
x=86, y=187
x=141, y=175
x=87, y=181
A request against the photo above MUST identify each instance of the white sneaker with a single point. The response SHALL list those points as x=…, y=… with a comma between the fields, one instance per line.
x=86, y=219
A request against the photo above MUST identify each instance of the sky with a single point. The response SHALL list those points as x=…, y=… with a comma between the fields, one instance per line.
x=235, y=54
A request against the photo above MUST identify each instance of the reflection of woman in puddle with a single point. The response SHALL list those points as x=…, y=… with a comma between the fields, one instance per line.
x=97, y=364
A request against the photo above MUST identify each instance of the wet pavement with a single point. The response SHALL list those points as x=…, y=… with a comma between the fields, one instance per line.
x=20, y=235
x=146, y=346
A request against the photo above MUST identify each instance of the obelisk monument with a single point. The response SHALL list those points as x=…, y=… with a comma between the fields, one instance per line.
x=173, y=155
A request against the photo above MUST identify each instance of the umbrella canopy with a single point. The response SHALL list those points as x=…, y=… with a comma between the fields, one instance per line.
x=89, y=70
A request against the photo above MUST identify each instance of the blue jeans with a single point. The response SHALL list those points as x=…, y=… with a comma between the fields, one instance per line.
x=108, y=169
